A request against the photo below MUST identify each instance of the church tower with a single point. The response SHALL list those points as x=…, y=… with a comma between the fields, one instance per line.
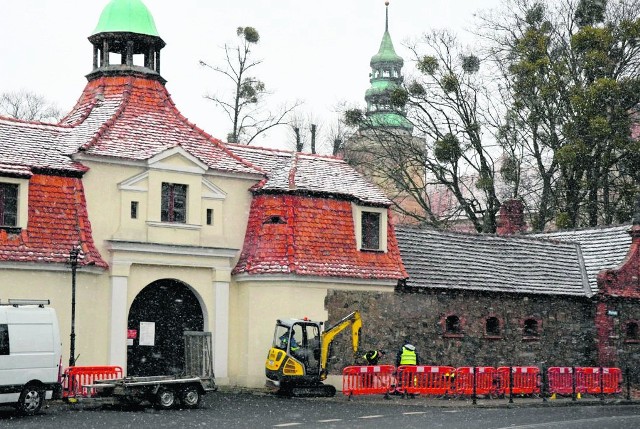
x=385, y=77
x=385, y=135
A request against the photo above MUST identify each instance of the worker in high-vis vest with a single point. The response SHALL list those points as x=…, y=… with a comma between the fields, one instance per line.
x=373, y=356
x=407, y=355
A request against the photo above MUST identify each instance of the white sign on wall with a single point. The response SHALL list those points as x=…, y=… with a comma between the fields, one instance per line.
x=147, y=334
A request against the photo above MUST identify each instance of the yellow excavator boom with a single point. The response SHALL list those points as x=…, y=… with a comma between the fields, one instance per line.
x=355, y=321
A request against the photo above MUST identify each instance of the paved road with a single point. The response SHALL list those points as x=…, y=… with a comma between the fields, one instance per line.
x=250, y=411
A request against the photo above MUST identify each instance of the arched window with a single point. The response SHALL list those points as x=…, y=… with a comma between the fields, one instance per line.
x=531, y=328
x=632, y=332
x=492, y=327
x=452, y=325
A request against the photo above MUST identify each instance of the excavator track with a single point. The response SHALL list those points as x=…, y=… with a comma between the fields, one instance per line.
x=316, y=391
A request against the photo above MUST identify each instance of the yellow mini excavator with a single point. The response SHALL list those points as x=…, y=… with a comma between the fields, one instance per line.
x=297, y=361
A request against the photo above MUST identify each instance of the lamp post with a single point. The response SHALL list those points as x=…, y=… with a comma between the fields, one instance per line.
x=73, y=261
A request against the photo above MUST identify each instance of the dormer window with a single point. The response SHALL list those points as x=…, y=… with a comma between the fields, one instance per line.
x=370, y=228
x=274, y=220
x=8, y=205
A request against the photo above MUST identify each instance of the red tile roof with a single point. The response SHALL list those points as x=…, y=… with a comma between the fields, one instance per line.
x=57, y=221
x=316, y=238
x=142, y=121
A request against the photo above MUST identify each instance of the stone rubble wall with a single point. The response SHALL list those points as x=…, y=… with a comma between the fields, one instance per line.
x=566, y=336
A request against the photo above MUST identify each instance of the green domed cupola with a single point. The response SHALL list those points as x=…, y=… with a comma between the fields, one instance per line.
x=126, y=16
x=385, y=77
x=127, y=28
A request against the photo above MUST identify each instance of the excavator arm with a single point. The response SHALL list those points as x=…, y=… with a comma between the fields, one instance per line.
x=355, y=321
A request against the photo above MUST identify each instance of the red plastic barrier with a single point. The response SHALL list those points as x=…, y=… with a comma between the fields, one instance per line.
x=560, y=380
x=612, y=380
x=486, y=377
x=526, y=380
x=77, y=376
x=591, y=380
x=367, y=380
x=425, y=380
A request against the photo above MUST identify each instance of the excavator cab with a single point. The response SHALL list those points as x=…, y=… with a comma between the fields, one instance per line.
x=297, y=360
x=295, y=352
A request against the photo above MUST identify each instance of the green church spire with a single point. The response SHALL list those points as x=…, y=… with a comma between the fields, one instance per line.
x=385, y=77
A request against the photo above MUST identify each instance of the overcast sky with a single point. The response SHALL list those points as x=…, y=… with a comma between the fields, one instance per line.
x=314, y=51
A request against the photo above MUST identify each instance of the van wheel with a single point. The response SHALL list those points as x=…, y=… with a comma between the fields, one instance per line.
x=190, y=397
x=31, y=400
x=165, y=399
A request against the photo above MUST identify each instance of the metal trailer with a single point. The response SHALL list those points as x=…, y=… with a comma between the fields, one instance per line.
x=162, y=391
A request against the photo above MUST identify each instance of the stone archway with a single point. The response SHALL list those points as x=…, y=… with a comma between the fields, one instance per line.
x=169, y=308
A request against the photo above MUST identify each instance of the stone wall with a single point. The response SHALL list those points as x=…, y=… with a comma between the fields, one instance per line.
x=566, y=328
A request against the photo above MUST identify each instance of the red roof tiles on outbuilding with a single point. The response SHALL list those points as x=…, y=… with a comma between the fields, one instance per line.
x=315, y=237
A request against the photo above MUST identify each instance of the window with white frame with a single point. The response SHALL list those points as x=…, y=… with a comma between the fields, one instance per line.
x=370, y=225
x=8, y=204
x=370, y=230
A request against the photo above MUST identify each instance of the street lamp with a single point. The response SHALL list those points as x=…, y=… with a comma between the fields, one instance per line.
x=73, y=261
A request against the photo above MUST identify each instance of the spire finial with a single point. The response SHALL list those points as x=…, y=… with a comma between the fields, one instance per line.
x=386, y=21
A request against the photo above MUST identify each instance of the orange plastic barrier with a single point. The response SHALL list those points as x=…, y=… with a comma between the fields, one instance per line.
x=367, y=380
x=591, y=380
x=425, y=380
x=486, y=380
x=77, y=376
x=526, y=380
x=560, y=380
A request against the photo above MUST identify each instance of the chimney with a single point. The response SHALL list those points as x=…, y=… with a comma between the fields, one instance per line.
x=511, y=218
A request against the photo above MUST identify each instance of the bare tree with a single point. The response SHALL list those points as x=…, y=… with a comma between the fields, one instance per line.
x=245, y=106
x=28, y=106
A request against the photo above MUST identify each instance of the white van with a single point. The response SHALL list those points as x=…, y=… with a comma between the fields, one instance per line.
x=30, y=354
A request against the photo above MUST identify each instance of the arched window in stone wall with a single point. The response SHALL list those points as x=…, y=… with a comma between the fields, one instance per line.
x=632, y=332
x=492, y=327
x=452, y=326
x=531, y=328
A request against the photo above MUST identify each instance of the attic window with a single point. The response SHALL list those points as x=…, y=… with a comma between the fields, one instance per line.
x=274, y=220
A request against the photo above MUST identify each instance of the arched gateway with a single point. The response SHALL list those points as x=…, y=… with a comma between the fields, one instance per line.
x=159, y=315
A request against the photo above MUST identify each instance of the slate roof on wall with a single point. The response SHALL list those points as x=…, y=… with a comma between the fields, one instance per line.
x=514, y=264
x=602, y=248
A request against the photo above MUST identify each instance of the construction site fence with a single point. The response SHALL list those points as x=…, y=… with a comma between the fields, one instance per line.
x=480, y=380
x=75, y=377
